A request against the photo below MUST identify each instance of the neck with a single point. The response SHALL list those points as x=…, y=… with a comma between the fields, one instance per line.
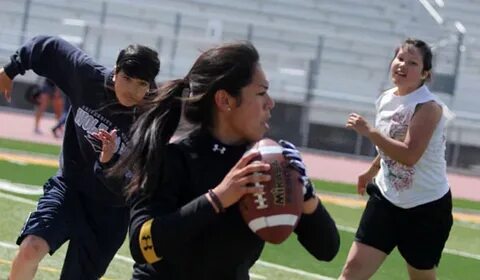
x=402, y=91
x=225, y=134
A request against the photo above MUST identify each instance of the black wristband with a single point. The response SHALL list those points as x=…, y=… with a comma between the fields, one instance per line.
x=216, y=201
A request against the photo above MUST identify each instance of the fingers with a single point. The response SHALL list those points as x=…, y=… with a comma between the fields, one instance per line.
x=246, y=159
x=253, y=189
x=254, y=180
x=298, y=166
x=7, y=96
x=252, y=168
x=361, y=185
x=287, y=144
x=292, y=154
x=102, y=134
x=354, y=121
x=361, y=191
x=108, y=135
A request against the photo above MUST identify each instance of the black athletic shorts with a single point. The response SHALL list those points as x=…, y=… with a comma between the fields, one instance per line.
x=96, y=231
x=419, y=233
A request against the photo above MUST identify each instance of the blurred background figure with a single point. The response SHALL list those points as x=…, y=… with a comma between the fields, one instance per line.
x=48, y=93
x=57, y=130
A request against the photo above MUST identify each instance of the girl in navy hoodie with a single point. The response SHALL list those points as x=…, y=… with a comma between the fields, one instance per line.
x=76, y=204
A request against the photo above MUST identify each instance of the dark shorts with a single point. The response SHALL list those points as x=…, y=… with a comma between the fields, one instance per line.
x=95, y=230
x=419, y=233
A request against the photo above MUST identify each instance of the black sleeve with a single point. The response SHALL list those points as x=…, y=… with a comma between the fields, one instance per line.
x=112, y=184
x=53, y=58
x=318, y=233
x=160, y=225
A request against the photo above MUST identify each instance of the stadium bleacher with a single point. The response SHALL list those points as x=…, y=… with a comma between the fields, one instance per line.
x=358, y=38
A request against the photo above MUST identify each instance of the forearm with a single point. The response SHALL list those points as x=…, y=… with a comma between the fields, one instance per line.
x=171, y=231
x=374, y=166
x=47, y=56
x=394, y=149
x=318, y=233
x=376, y=162
x=113, y=184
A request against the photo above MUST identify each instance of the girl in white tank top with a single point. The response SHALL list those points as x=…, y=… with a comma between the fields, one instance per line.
x=426, y=180
x=410, y=204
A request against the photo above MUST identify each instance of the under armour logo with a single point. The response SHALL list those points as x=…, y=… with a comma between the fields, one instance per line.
x=217, y=148
x=148, y=242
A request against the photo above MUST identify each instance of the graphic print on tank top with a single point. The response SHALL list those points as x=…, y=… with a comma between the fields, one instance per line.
x=399, y=175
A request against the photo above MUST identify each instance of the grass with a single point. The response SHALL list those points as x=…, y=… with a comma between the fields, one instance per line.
x=287, y=254
x=351, y=189
x=29, y=147
x=25, y=174
x=463, y=237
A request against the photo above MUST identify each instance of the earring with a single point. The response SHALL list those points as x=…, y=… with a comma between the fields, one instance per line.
x=229, y=109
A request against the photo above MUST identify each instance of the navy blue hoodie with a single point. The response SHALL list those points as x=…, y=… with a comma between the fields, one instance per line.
x=89, y=87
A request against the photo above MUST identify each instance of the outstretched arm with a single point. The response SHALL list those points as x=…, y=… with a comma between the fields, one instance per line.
x=51, y=57
x=107, y=159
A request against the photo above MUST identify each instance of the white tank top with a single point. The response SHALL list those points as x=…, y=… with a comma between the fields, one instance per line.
x=426, y=181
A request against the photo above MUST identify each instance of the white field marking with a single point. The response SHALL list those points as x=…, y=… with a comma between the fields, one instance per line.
x=118, y=257
x=256, y=276
x=20, y=188
x=464, y=219
x=346, y=228
x=340, y=227
x=17, y=198
x=8, y=245
x=462, y=254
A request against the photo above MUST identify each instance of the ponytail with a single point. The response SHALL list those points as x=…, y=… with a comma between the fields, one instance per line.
x=151, y=133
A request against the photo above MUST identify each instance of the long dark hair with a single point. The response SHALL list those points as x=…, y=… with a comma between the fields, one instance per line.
x=228, y=67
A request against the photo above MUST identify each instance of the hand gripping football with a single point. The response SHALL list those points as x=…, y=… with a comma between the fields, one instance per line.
x=274, y=213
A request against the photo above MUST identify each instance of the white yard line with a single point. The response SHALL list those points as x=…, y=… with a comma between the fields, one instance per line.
x=8, y=245
x=17, y=198
x=12, y=197
x=20, y=188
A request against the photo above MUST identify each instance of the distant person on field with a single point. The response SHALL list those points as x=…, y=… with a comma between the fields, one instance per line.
x=410, y=204
x=58, y=129
x=48, y=93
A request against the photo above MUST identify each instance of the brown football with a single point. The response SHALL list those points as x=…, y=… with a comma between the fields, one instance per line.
x=274, y=213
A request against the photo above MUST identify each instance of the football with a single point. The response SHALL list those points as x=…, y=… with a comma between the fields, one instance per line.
x=274, y=213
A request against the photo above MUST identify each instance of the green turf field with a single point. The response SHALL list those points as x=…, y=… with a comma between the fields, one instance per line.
x=461, y=259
